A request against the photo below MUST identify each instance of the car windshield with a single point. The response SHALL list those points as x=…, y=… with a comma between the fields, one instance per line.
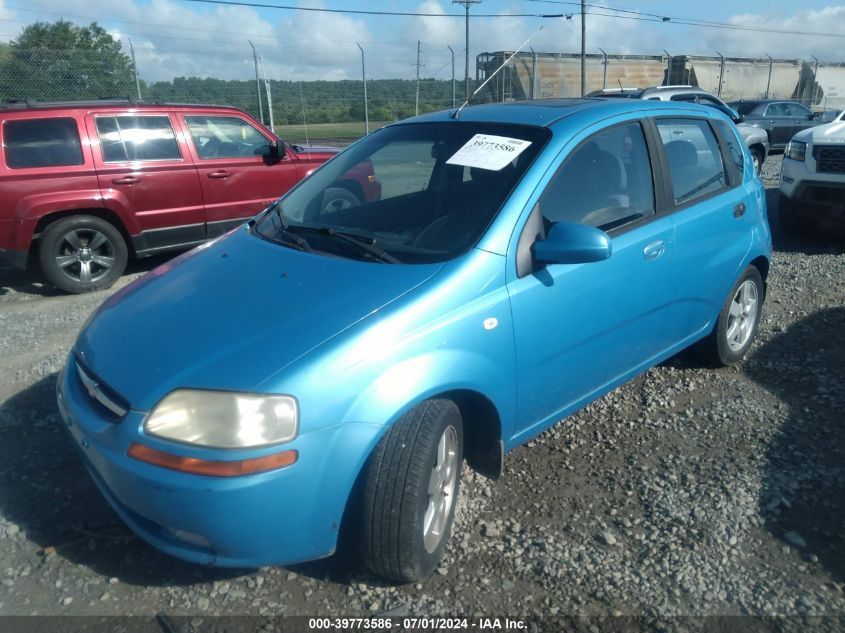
x=410, y=193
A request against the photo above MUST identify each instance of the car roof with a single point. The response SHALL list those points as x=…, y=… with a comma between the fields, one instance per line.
x=546, y=112
x=30, y=105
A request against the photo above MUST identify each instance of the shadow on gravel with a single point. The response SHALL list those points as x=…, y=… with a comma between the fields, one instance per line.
x=828, y=238
x=802, y=498
x=46, y=491
x=32, y=282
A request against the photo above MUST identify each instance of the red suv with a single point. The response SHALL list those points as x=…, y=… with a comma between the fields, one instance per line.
x=96, y=182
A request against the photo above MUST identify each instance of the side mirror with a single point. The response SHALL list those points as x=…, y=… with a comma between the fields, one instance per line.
x=275, y=150
x=572, y=243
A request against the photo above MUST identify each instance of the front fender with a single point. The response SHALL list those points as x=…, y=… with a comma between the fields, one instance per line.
x=404, y=385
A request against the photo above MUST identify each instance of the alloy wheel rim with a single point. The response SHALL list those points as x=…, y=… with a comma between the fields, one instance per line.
x=441, y=489
x=742, y=315
x=85, y=255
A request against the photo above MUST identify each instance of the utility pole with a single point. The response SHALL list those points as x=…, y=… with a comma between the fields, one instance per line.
x=417, y=101
x=467, y=4
x=135, y=68
x=364, y=77
x=257, y=83
x=453, y=75
x=583, y=47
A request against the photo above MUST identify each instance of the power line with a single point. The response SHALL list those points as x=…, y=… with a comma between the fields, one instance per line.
x=699, y=22
x=261, y=5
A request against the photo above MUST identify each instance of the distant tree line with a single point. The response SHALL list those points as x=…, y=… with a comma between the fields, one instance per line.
x=61, y=61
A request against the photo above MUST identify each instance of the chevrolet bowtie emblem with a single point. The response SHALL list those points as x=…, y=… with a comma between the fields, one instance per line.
x=95, y=391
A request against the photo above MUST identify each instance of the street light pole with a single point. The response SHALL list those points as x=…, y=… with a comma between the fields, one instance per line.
x=453, y=75
x=257, y=83
x=583, y=47
x=466, y=4
x=364, y=78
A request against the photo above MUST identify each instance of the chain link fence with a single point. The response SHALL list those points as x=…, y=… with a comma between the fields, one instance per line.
x=337, y=112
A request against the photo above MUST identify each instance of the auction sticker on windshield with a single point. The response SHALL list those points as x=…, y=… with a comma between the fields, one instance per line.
x=488, y=152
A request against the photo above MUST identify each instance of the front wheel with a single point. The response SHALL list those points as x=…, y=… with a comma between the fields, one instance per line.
x=337, y=199
x=737, y=323
x=757, y=159
x=411, y=484
x=82, y=253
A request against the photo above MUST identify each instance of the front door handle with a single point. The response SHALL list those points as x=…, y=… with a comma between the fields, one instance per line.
x=739, y=210
x=222, y=173
x=654, y=250
x=126, y=180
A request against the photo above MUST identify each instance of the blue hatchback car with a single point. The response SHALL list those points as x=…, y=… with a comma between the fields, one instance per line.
x=330, y=365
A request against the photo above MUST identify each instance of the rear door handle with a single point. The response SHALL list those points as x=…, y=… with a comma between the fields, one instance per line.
x=126, y=180
x=739, y=210
x=654, y=250
x=220, y=174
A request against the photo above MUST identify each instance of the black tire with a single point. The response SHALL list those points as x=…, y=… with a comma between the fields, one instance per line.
x=758, y=157
x=793, y=218
x=337, y=199
x=395, y=493
x=65, y=252
x=716, y=349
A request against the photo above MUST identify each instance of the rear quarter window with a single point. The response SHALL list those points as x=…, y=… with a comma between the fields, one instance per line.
x=51, y=142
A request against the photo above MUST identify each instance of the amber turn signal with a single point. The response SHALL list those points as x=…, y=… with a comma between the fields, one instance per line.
x=211, y=468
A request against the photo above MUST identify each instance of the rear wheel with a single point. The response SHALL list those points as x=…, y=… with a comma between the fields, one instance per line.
x=794, y=219
x=737, y=322
x=411, y=483
x=82, y=253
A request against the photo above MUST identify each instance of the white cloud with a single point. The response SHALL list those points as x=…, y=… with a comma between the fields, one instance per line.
x=172, y=38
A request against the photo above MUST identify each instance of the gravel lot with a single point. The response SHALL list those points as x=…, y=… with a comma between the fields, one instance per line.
x=689, y=491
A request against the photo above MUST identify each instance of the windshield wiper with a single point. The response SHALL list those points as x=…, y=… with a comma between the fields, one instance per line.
x=367, y=245
x=281, y=225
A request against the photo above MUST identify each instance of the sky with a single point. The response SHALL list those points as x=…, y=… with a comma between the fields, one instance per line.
x=183, y=38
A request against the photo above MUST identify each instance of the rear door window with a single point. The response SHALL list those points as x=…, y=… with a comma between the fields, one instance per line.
x=606, y=182
x=133, y=138
x=226, y=137
x=776, y=109
x=51, y=142
x=695, y=162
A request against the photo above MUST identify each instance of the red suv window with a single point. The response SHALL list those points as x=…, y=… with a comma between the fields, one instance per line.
x=125, y=138
x=42, y=143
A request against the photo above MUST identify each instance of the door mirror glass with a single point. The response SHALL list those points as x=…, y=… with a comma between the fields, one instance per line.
x=572, y=243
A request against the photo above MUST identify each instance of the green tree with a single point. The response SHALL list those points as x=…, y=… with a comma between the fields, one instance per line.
x=63, y=61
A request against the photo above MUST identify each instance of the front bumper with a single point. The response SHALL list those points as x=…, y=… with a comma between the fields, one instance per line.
x=278, y=517
x=800, y=182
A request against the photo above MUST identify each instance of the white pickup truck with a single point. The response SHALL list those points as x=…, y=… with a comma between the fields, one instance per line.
x=812, y=179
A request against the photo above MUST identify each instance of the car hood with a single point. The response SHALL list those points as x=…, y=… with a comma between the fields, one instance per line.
x=821, y=134
x=751, y=134
x=314, y=152
x=230, y=314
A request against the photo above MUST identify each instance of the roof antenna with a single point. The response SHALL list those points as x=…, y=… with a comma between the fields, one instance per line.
x=505, y=63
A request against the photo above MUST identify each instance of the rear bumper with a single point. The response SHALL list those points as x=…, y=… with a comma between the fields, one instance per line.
x=13, y=259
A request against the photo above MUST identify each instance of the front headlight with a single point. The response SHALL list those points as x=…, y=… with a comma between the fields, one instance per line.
x=220, y=419
x=796, y=150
